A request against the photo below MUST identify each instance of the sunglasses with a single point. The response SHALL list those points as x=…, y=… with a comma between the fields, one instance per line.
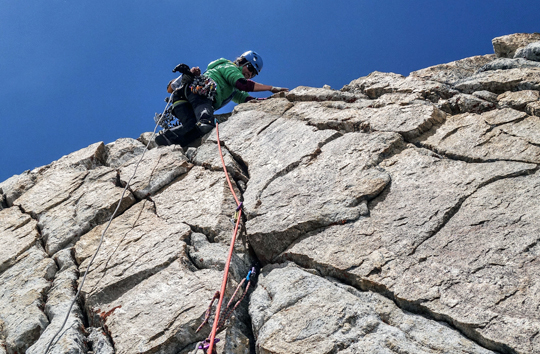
x=251, y=69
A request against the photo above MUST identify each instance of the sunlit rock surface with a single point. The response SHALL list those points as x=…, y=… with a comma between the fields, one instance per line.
x=399, y=214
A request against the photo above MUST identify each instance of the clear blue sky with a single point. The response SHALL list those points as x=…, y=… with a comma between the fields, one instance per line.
x=73, y=73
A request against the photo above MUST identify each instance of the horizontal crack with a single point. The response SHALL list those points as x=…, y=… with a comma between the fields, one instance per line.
x=415, y=307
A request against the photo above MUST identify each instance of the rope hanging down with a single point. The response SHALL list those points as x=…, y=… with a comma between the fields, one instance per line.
x=52, y=342
x=209, y=343
x=229, y=309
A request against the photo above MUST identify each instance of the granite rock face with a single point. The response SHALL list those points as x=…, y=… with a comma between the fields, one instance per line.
x=506, y=46
x=294, y=311
x=530, y=52
x=396, y=215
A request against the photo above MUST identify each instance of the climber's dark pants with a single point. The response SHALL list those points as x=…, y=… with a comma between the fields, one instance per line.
x=198, y=108
x=184, y=133
x=202, y=106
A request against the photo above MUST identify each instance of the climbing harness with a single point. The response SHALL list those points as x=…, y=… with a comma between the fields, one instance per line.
x=201, y=85
x=204, y=86
x=208, y=344
x=127, y=186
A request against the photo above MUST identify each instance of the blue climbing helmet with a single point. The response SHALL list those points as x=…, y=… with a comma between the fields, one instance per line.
x=254, y=59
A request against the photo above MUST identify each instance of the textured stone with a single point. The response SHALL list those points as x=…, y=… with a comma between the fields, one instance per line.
x=84, y=159
x=507, y=63
x=158, y=168
x=207, y=255
x=13, y=187
x=409, y=121
x=274, y=147
x=420, y=191
x=494, y=135
x=397, y=98
x=398, y=224
x=486, y=96
x=346, y=117
x=452, y=72
x=207, y=155
x=143, y=279
x=506, y=46
x=463, y=103
x=376, y=252
x=527, y=130
x=533, y=108
x=137, y=245
x=161, y=313
x=202, y=200
x=122, y=150
x=71, y=339
x=52, y=190
x=237, y=342
x=68, y=203
x=303, y=93
x=500, y=81
x=294, y=311
x=518, y=100
x=503, y=116
x=486, y=259
x=320, y=192
x=22, y=292
x=99, y=342
x=530, y=52
x=232, y=341
x=274, y=106
x=377, y=84
x=148, y=140
x=18, y=232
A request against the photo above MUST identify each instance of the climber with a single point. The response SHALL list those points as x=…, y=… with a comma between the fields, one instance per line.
x=196, y=97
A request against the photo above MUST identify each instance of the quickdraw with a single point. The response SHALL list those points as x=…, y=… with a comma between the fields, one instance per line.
x=229, y=309
x=236, y=213
x=206, y=344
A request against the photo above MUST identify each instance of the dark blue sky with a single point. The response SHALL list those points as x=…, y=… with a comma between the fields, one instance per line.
x=73, y=73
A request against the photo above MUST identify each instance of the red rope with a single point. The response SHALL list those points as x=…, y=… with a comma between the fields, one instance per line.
x=224, y=167
x=231, y=249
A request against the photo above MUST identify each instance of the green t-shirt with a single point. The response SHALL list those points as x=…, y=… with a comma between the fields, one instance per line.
x=225, y=74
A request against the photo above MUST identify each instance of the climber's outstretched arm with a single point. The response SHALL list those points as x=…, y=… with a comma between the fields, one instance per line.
x=274, y=89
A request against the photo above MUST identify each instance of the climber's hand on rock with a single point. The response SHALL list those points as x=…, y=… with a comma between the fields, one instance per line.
x=276, y=89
